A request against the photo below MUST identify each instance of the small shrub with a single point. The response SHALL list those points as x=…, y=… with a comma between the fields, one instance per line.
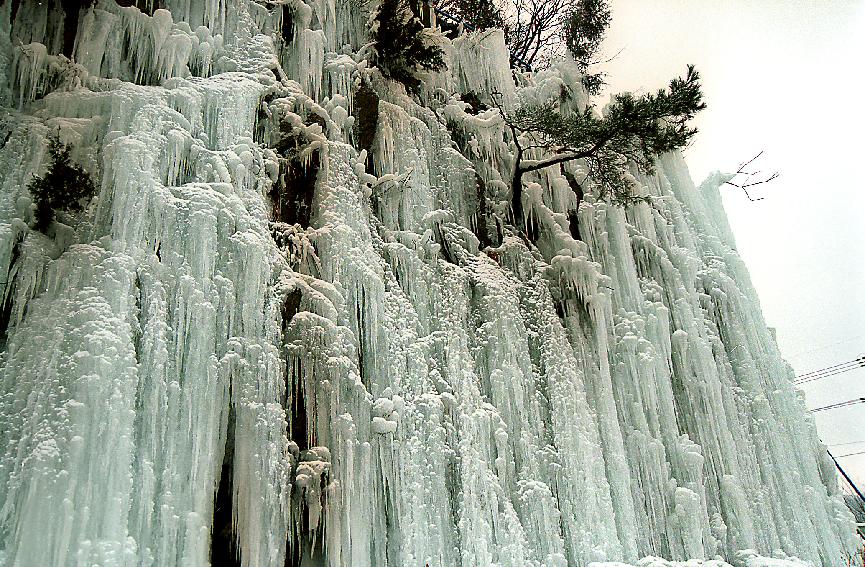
x=65, y=187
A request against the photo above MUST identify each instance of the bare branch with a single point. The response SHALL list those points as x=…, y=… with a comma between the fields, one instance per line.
x=749, y=175
x=749, y=162
x=615, y=55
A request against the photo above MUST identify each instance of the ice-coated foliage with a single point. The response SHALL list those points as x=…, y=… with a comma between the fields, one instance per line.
x=396, y=376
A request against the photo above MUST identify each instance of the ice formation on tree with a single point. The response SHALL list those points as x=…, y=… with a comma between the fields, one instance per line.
x=260, y=346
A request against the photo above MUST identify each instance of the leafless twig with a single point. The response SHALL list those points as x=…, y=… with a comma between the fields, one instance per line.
x=601, y=61
x=749, y=176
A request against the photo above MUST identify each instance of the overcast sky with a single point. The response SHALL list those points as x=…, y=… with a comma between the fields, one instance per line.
x=786, y=77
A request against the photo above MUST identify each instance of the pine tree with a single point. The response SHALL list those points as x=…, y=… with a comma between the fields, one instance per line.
x=65, y=187
x=632, y=130
x=584, y=29
x=401, y=49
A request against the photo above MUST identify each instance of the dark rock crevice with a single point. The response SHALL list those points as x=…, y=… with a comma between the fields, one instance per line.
x=224, y=550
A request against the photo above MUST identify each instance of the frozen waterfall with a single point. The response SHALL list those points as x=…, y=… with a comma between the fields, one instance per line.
x=274, y=339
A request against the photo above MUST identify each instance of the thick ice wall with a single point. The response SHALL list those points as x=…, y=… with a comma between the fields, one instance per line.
x=60, y=436
x=127, y=44
x=317, y=43
x=709, y=401
x=181, y=211
x=764, y=382
x=477, y=378
x=116, y=42
x=41, y=22
x=401, y=379
x=672, y=248
x=481, y=64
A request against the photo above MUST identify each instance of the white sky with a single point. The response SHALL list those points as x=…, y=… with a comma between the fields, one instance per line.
x=784, y=76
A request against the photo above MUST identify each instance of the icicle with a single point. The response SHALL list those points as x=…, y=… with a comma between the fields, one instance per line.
x=378, y=383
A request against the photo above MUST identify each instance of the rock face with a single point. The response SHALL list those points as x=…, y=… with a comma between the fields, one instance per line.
x=260, y=346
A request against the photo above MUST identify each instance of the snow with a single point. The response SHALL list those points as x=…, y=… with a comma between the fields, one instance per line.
x=387, y=385
x=748, y=558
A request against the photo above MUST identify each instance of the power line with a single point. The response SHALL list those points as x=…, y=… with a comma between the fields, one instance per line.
x=860, y=360
x=839, y=405
x=851, y=454
x=830, y=371
x=822, y=376
x=847, y=477
x=846, y=443
x=827, y=375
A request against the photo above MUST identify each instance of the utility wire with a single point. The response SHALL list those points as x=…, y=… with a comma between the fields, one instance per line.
x=834, y=371
x=839, y=405
x=834, y=368
x=850, y=454
x=830, y=371
x=822, y=376
x=843, y=367
x=827, y=375
x=847, y=477
x=858, y=360
x=846, y=443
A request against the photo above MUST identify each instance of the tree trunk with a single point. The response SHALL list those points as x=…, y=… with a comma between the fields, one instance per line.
x=517, y=195
x=481, y=225
x=573, y=221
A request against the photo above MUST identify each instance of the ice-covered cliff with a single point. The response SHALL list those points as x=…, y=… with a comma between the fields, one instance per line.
x=261, y=345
